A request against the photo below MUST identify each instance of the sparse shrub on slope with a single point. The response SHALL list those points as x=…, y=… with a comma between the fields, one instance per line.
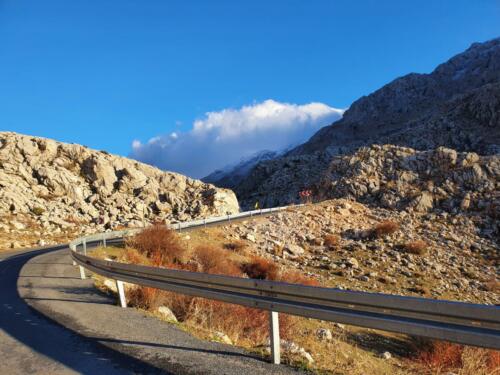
x=296, y=277
x=441, y=357
x=237, y=246
x=216, y=261
x=332, y=241
x=418, y=247
x=384, y=228
x=261, y=268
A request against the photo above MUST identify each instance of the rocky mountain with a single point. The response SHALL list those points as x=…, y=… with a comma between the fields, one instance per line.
x=456, y=106
x=54, y=185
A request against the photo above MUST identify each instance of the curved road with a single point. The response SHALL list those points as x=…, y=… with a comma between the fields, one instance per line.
x=53, y=322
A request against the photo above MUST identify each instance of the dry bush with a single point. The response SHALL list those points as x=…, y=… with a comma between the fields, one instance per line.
x=240, y=323
x=134, y=257
x=260, y=268
x=237, y=246
x=384, y=228
x=158, y=243
x=418, y=247
x=145, y=297
x=492, y=285
x=331, y=241
x=295, y=277
x=216, y=261
x=440, y=356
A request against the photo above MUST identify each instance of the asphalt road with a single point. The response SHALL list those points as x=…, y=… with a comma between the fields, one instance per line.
x=51, y=322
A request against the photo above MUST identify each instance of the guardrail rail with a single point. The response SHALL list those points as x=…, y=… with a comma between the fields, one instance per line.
x=459, y=322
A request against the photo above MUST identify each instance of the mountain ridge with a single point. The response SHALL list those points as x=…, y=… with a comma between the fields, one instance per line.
x=455, y=106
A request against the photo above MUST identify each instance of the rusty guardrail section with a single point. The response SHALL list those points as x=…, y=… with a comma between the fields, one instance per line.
x=464, y=323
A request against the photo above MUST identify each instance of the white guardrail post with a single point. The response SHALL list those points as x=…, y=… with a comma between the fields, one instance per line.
x=274, y=337
x=82, y=273
x=121, y=293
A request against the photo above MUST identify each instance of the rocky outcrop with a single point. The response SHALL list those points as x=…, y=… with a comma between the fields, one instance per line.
x=402, y=178
x=58, y=184
x=456, y=106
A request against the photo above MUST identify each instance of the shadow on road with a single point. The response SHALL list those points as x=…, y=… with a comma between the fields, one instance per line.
x=176, y=347
x=45, y=336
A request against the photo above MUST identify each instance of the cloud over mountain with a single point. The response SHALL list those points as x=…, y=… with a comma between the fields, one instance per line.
x=224, y=137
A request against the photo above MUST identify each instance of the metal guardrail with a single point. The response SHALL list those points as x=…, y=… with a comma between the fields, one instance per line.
x=464, y=323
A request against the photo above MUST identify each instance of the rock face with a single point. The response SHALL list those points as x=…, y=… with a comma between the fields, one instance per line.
x=60, y=184
x=456, y=106
x=402, y=178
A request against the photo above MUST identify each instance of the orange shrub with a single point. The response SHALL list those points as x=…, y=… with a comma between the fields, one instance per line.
x=384, y=228
x=145, y=297
x=493, y=285
x=295, y=277
x=331, y=240
x=216, y=261
x=440, y=356
x=160, y=244
x=239, y=322
x=260, y=268
x=416, y=247
x=237, y=246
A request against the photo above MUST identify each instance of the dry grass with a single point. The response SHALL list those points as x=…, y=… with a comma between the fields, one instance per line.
x=418, y=247
x=384, y=228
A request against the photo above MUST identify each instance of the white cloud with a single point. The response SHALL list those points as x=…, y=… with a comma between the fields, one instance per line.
x=224, y=137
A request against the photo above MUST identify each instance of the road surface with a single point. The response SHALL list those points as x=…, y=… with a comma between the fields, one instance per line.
x=51, y=322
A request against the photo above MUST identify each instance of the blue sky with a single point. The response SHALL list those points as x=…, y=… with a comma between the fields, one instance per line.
x=104, y=73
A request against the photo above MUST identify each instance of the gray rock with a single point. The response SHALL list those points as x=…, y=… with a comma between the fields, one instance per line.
x=167, y=314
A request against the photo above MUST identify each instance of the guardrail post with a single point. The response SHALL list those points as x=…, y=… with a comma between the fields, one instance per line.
x=104, y=241
x=84, y=243
x=82, y=273
x=274, y=337
x=121, y=293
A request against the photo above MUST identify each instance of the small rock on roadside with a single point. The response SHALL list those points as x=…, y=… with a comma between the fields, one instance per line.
x=167, y=314
x=222, y=337
x=324, y=334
